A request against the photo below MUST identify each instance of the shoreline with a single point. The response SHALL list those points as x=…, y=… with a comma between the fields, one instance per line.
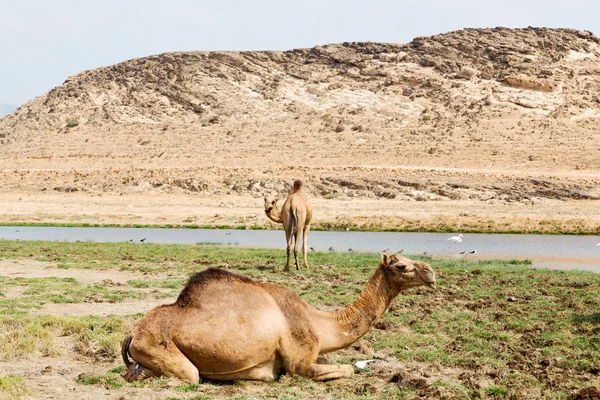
x=329, y=228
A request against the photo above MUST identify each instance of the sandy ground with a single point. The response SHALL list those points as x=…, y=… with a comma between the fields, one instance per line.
x=55, y=377
x=247, y=210
x=112, y=278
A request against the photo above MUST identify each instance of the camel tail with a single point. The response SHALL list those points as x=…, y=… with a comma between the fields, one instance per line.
x=135, y=371
x=294, y=221
x=125, y=351
x=297, y=186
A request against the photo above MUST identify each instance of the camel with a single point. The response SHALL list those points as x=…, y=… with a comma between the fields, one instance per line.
x=226, y=326
x=295, y=215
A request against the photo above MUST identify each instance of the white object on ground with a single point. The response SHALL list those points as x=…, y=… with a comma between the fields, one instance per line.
x=362, y=364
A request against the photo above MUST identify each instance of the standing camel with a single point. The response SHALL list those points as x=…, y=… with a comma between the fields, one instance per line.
x=295, y=215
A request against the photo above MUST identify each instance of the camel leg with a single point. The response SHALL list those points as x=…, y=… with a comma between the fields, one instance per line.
x=158, y=359
x=318, y=370
x=296, y=244
x=324, y=372
x=302, y=357
x=299, y=232
x=266, y=372
x=305, y=244
x=288, y=250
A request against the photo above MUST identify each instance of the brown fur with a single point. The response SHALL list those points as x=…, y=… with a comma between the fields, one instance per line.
x=205, y=277
x=295, y=215
x=227, y=326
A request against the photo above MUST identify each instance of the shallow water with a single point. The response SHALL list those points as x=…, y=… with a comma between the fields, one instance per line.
x=546, y=251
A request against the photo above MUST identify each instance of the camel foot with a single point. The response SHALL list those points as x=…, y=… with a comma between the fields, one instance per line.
x=324, y=372
x=137, y=372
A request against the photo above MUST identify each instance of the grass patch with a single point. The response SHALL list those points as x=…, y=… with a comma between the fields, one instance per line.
x=35, y=292
x=109, y=381
x=21, y=337
x=505, y=330
x=437, y=225
x=12, y=387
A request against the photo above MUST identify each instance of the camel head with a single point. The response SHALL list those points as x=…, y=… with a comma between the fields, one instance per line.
x=270, y=202
x=403, y=273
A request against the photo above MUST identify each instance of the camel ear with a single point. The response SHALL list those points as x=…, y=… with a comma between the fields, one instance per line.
x=386, y=259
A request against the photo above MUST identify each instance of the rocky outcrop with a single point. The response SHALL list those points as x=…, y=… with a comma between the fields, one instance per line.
x=498, y=99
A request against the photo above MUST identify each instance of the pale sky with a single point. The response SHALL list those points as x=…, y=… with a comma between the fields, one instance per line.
x=42, y=42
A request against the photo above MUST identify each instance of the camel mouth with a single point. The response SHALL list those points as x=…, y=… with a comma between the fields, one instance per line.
x=267, y=209
x=431, y=285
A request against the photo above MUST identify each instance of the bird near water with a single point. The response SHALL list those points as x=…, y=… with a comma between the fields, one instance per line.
x=455, y=239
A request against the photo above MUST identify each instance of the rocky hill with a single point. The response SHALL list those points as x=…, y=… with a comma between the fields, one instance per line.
x=482, y=100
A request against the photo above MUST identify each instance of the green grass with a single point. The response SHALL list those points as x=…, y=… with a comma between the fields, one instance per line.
x=12, y=387
x=109, y=380
x=502, y=328
x=543, y=227
x=38, y=291
x=72, y=123
x=98, y=337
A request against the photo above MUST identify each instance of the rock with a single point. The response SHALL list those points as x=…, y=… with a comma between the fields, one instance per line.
x=465, y=73
x=530, y=83
x=385, y=325
x=589, y=393
x=363, y=347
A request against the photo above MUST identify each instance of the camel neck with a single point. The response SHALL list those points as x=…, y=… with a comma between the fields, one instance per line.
x=352, y=322
x=274, y=214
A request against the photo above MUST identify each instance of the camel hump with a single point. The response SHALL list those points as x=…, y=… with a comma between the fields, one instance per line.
x=125, y=350
x=297, y=186
x=204, y=278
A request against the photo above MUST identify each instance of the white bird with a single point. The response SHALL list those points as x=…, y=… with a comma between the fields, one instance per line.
x=598, y=244
x=468, y=252
x=362, y=364
x=455, y=239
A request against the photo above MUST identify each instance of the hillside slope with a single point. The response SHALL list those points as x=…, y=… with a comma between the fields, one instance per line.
x=459, y=115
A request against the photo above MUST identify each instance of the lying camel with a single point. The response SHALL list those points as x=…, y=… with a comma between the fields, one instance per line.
x=227, y=326
x=295, y=215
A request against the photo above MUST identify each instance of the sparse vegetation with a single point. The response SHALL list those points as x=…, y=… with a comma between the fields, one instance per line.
x=12, y=388
x=440, y=224
x=72, y=123
x=493, y=329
